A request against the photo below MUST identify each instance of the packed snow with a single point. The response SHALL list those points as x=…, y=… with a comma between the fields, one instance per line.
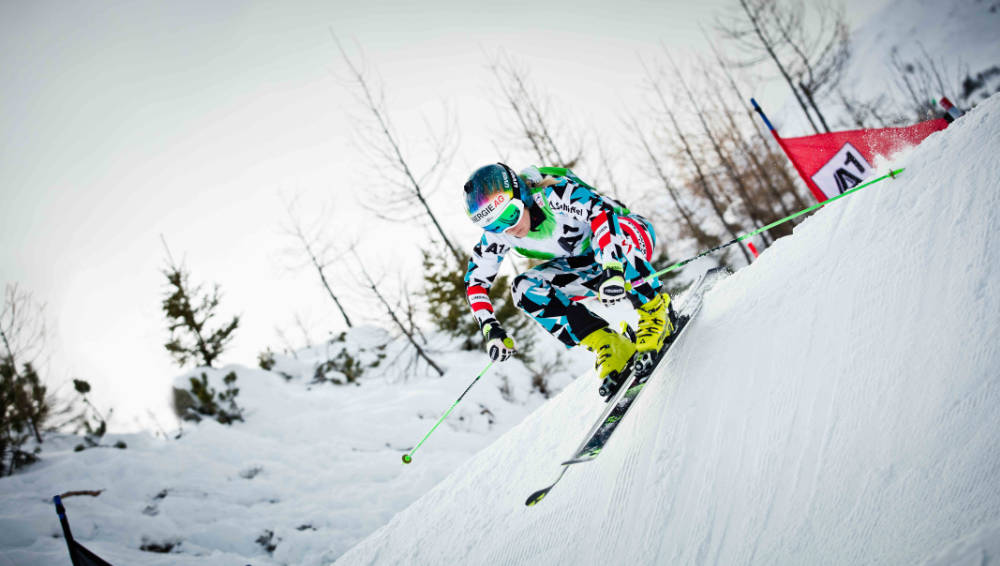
x=833, y=403
x=314, y=468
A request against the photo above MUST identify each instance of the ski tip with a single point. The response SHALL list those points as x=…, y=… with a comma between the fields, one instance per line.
x=407, y=458
x=534, y=498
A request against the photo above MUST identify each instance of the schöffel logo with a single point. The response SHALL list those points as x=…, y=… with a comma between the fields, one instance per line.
x=563, y=207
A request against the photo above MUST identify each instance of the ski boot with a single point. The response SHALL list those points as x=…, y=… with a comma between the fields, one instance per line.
x=614, y=358
x=656, y=325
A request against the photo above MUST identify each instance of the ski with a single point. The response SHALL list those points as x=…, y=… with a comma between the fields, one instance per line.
x=621, y=401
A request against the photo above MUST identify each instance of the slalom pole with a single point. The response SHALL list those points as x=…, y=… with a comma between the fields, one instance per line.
x=407, y=458
x=682, y=263
x=817, y=193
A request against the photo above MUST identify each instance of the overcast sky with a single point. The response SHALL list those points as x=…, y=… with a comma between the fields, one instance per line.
x=124, y=121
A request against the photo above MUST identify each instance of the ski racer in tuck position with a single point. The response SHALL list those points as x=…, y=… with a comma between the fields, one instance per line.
x=594, y=247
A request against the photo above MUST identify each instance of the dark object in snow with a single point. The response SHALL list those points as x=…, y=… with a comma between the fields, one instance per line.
x=268, y=541
x=78, y=553
x=164, y=547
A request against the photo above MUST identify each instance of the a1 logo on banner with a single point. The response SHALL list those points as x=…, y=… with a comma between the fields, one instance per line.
x=846, y=170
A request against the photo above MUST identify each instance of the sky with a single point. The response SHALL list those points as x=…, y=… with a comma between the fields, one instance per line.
x=124, y=125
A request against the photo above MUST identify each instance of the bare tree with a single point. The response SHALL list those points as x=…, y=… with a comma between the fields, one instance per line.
x=865, y=113
x=392, y=311
x=304, y=332
x=735, y=177
x=24, y=407
x=808, y=54
x=318, y=250
x=612, y=185
x=696, y=163
x=820, y=48
x=659, y=168
x=743, y=147
x=769, y=161
x=22, y=326
x=410, y=308
x=533, y=114
x=921, y=81
x=409, y=190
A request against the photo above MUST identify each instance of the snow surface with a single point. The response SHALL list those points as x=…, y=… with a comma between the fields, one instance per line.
x=961, y=36
x=834, y=403
x=317, y=465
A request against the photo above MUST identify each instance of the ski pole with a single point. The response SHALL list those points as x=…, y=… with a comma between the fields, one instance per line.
x=682, y=263
x=407, y=458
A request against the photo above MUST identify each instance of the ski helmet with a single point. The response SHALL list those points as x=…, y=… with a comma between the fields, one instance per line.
x=494, y=197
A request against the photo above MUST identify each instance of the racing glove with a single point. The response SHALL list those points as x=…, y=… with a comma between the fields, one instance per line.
x=499, y=346
x=612, y=289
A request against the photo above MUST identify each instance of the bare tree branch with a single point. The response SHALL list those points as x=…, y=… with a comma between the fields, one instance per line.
x=763, y=141
x=389, y=151
x=756, y=34
x=374, y=288
x=318, y=253
x=531, y=112
x=693, y=160
x=748, y=203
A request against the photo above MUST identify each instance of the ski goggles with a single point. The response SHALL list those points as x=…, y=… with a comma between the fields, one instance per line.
x=509, y=215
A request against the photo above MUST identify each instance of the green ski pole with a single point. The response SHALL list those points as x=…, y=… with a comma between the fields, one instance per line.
x=407, y=458
x=682, y=263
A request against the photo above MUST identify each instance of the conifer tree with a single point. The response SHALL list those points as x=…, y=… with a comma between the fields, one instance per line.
x=189, y=311
x=23, y=404
x=444, y=291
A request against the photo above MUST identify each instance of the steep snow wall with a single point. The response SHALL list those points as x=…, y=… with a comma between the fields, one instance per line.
x=837, y=402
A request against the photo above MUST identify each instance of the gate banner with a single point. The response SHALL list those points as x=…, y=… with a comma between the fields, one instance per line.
x=833, y=163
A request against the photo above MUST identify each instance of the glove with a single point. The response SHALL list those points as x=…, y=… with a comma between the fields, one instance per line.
x=612, y=289
x=531, y=175
x=499, y=346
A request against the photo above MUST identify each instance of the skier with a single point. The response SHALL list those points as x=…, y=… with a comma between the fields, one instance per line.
x=594, y=247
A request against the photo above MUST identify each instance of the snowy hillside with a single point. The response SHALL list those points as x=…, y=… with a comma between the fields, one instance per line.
x=834, y=403
x=959, y=36
x=314, y=469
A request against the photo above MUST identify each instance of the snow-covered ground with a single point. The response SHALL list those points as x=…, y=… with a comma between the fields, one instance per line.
x=313, y=470
x=834, y=403
x=959, y=36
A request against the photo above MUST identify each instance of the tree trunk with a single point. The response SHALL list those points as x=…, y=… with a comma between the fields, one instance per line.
x=696, y=230
x=789, y=183
x=812, y=104
x=706, y=190
x=395, y=319
x=766, y=43
x=734, y=176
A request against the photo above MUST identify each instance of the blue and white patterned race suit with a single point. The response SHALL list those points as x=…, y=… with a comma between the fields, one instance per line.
x=578, y=231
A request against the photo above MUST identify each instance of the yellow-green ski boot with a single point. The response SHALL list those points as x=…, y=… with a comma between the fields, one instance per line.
x=614, y=358
x=655, y=327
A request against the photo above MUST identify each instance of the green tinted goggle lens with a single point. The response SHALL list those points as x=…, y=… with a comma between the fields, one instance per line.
x=507, y=218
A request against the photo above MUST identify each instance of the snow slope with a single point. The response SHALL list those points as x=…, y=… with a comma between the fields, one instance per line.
x=313, y=470
x=960, y=36
x=836, y=402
